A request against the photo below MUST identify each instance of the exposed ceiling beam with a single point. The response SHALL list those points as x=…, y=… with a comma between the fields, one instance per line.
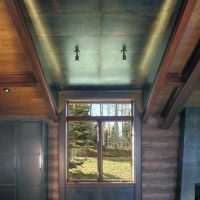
x=174, y=80
x=21, y=26
x=168, y=57
x=18, y=84
x=179, y=98
x=17, y=78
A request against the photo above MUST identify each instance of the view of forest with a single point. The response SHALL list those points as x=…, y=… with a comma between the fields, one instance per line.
x=116, y=141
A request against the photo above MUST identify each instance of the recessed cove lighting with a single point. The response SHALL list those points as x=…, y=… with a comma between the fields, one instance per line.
x=7, y=90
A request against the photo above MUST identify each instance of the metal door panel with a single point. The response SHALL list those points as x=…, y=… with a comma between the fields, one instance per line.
x=6, y=137
x=29, y=170
x=29, y=193
x=30, y=137
x=7, y=192
x=7, y=169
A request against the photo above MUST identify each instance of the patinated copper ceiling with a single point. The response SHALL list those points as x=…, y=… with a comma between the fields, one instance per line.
x=100, y=28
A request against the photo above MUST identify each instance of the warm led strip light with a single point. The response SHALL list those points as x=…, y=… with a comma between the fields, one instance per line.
x=42, y=32
x=157, y=31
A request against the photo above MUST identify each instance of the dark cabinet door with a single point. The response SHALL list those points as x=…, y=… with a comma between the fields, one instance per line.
x=23, y=160
x=29, y=161
x=7, y=161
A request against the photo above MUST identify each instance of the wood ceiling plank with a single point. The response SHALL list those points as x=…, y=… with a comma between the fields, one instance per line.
x=31, y=92
x=2, y=6
x=176, y=104
x=6, y=23
x=23, y=101
x=18, y=19
x=174, y=41
x=8, y=35
x=11, y=46
x=14, y=63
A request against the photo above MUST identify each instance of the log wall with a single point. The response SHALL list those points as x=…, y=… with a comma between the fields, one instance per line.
x=53, y=162
x=159, y=161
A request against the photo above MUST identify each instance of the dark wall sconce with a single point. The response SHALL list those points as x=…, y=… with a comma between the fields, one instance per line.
x=77, y=53
x=124, y=53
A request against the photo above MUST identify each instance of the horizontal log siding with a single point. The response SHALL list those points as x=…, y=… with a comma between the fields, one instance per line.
x=53, y=163
x=159, y=161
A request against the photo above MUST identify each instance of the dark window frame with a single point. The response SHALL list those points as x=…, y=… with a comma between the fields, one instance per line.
x=130, y=95
x=99, y=120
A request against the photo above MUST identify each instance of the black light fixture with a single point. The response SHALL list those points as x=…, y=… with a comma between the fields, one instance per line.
x=124, y=52
x=77, y=54
x=7, y=90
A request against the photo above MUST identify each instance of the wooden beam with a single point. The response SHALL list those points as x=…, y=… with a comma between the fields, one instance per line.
x=18, y=84
x=19, y=21
x=175, y=106
x=174, y=80
x=17, y=78
x=170, y=51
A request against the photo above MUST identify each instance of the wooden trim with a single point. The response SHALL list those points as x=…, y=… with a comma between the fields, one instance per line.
x=170, y=51
x=138, y=154
x=99, y=118
x=100, y=184
x=21, y=26
x=175, y=106
x=100, y=152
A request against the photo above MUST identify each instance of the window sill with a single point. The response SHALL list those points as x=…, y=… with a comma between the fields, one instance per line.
x=100, y=184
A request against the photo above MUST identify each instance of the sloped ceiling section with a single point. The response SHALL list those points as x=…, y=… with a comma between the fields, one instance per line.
x=26, y=98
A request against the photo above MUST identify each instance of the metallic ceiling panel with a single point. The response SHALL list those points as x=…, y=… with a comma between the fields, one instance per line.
x=99, y=28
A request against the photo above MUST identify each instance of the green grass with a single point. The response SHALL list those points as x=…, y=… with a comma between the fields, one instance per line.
x=113, y=168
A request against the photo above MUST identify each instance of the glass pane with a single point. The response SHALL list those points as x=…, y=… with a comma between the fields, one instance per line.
x=117, y=151
x=82, y=150
x=102, y=109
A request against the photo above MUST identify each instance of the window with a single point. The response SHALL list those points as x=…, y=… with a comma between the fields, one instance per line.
x=99, y=142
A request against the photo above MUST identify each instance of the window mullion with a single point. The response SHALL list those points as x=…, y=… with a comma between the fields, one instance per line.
x=100, y=152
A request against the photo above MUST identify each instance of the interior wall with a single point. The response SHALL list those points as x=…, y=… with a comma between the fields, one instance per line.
x=159, y=160
x=189, y=171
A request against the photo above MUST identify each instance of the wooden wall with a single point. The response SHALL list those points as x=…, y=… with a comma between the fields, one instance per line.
x=53, y=161
x=159, y=160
